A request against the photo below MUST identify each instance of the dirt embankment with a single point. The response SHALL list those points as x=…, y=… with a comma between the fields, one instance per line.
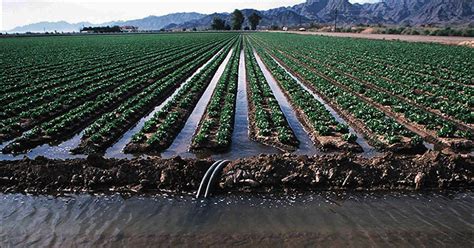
x=265, y=173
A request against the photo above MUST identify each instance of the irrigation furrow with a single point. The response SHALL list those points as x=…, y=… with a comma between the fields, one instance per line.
x=109, y=128
x=181, y=144
x=360, y=126
x=306, y=144
x=116, y=150
x=214, y=131
x=361, y=141
x=268, y=124
x=242, y=145
x=74, y=100
x=461, y=125
x=159, y=132
x=402, y=118
x=325, y=130
x=42, y=90
x=89, y=110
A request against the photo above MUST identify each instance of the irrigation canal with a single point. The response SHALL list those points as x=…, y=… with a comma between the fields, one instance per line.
x=328, y=219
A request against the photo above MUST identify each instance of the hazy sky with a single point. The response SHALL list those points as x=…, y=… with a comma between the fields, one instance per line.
x=20, y=12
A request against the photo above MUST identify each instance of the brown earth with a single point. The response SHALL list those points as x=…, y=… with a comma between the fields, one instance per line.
x=448, y=40
x=264, y=173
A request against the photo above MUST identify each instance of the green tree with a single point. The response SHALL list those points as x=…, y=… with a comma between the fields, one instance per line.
x=237, y=20
x=218, y=24
x=254, y=20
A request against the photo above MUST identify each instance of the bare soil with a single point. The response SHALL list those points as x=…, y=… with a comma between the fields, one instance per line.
x=264, y=173
x=448, y=40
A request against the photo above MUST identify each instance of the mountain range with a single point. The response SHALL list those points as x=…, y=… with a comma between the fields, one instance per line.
x=396, y=12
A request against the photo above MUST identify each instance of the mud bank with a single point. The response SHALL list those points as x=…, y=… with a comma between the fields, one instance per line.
x=265, y=173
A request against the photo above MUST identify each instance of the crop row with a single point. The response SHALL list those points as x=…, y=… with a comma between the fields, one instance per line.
x=25, y=99
x=366, y=62
x=77, y=118
x=437, y=125
x=159, y=132
x=382, y=130
x=326, y=132
x=453, y=100
x=216, y=126
x=18, y=80
x=55, y=60
x=39, y=114
x=440, y=61
x=267, y=122
x=111, y=126
x=48, y=87
x=44, y=58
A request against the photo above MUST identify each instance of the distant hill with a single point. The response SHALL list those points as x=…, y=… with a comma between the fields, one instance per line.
x=412, y=12
x=147, y=23
x=61, y=26
x=158, y=22
x=401, y=12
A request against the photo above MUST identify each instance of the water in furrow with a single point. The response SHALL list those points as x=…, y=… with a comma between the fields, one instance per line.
x=116, y=151
x=369, y=151
x=181, y=143
x=242, y=145
x=306, y=144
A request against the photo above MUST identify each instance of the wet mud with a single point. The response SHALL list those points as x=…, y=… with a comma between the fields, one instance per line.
x=264, y=173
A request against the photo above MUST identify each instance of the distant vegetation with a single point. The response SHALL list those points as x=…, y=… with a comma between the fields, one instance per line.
x=254, y=20
x=219, y=24
x=237, y=19
x=106, y=29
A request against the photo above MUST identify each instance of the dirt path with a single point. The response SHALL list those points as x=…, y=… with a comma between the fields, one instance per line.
x=448, y=40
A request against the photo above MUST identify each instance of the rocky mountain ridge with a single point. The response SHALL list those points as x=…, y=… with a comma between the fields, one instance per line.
x=392, y=12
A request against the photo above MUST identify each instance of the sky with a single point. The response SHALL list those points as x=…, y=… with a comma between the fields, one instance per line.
x=21, y=12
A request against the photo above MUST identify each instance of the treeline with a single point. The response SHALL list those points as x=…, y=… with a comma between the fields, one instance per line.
x=106, y=29
x=237, y=21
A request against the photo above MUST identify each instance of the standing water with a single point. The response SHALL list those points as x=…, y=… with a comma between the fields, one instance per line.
x=242, y=145
x=116, y=151
x=369, y=151
x=306, y=145
x=181, y=143
x=324, y=219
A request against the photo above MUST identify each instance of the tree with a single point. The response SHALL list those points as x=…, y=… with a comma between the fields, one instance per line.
x=254, y=20
x=237, y=20
x=218, y=24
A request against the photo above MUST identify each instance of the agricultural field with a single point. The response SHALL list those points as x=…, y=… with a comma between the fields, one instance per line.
x=132, y=95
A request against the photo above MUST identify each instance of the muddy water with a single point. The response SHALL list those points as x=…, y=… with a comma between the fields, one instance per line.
x=369, y=151
x=355, y=220
x=306, y=145
x=60, y=151
x=181, y=143
x=116, y=151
